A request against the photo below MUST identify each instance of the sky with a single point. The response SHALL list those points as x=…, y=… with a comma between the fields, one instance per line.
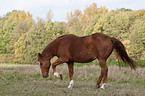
x=40, y=8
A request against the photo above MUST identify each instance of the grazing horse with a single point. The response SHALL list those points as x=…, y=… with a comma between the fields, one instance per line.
x=70, y=49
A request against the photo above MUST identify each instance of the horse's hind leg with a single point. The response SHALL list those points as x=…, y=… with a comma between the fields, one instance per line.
x=71, y=72
x=104, y=72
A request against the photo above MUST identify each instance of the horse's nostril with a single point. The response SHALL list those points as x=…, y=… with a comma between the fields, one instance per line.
x=46, y=75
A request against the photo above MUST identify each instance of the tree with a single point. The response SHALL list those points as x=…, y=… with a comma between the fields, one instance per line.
x=79, y=22
x=36, y=40
x=123, y=9
x=20, y=49
x=17, y=23
x=73, y=24
x=59, y=28
x=137, y=38
x=48, y=25
x=21, y=38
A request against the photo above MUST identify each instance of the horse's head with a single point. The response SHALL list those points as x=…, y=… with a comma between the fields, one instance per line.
x=44, y=65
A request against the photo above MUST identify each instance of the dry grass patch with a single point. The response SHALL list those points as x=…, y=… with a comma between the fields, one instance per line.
x=26, y=80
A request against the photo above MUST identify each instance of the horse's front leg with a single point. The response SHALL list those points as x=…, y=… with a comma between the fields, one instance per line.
x=57, y=62
x=71, y=72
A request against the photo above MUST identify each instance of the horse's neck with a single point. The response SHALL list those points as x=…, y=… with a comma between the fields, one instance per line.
x=49, y=51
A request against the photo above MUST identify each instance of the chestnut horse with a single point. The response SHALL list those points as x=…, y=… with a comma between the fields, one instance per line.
x=70, y=49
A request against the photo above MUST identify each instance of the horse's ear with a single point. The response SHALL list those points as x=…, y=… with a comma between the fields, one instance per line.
x=39, y=55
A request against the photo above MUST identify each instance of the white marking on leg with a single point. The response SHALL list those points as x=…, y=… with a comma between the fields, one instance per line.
x=39, y=63
x=102, y=87
x=71, y=84
x=40, y=72
x=56, y=74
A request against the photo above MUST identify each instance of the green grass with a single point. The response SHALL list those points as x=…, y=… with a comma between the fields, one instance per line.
x=25, y=80
x=140, y=63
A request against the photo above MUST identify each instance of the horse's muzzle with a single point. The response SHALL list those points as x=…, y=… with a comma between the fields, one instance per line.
x=46, y=75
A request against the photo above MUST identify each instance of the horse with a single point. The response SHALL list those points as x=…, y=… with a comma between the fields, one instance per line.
x=70, y=49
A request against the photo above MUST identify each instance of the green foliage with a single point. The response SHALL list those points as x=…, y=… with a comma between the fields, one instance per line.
x=34, y=41
x=17, y=22
x=123, y=9
x=137, y=38
x=79, y=22
x=113, y=23
x=21, y=38
x=7, y=58
x=20, y=49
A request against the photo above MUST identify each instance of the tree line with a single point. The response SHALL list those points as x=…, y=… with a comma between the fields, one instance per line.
x=22, y=37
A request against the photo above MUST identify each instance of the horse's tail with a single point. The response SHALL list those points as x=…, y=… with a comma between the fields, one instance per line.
x=121, y=52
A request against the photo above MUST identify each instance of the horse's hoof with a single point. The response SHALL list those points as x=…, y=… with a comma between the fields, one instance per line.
x=102, y=88
x=70, y=86
x=98, y=86
x=60, y=76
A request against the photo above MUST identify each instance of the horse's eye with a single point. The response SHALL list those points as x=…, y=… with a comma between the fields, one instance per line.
x=40, y=63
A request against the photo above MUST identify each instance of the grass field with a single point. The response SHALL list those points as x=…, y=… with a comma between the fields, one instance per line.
x=25, y=80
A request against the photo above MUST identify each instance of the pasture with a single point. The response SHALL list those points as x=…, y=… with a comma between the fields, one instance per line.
x=25, y=80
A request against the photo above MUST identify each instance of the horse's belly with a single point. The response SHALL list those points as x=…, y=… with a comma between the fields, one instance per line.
x=84, y=57
x=85, y=61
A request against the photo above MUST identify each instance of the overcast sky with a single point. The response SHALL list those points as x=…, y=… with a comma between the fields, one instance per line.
x=39, y=8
